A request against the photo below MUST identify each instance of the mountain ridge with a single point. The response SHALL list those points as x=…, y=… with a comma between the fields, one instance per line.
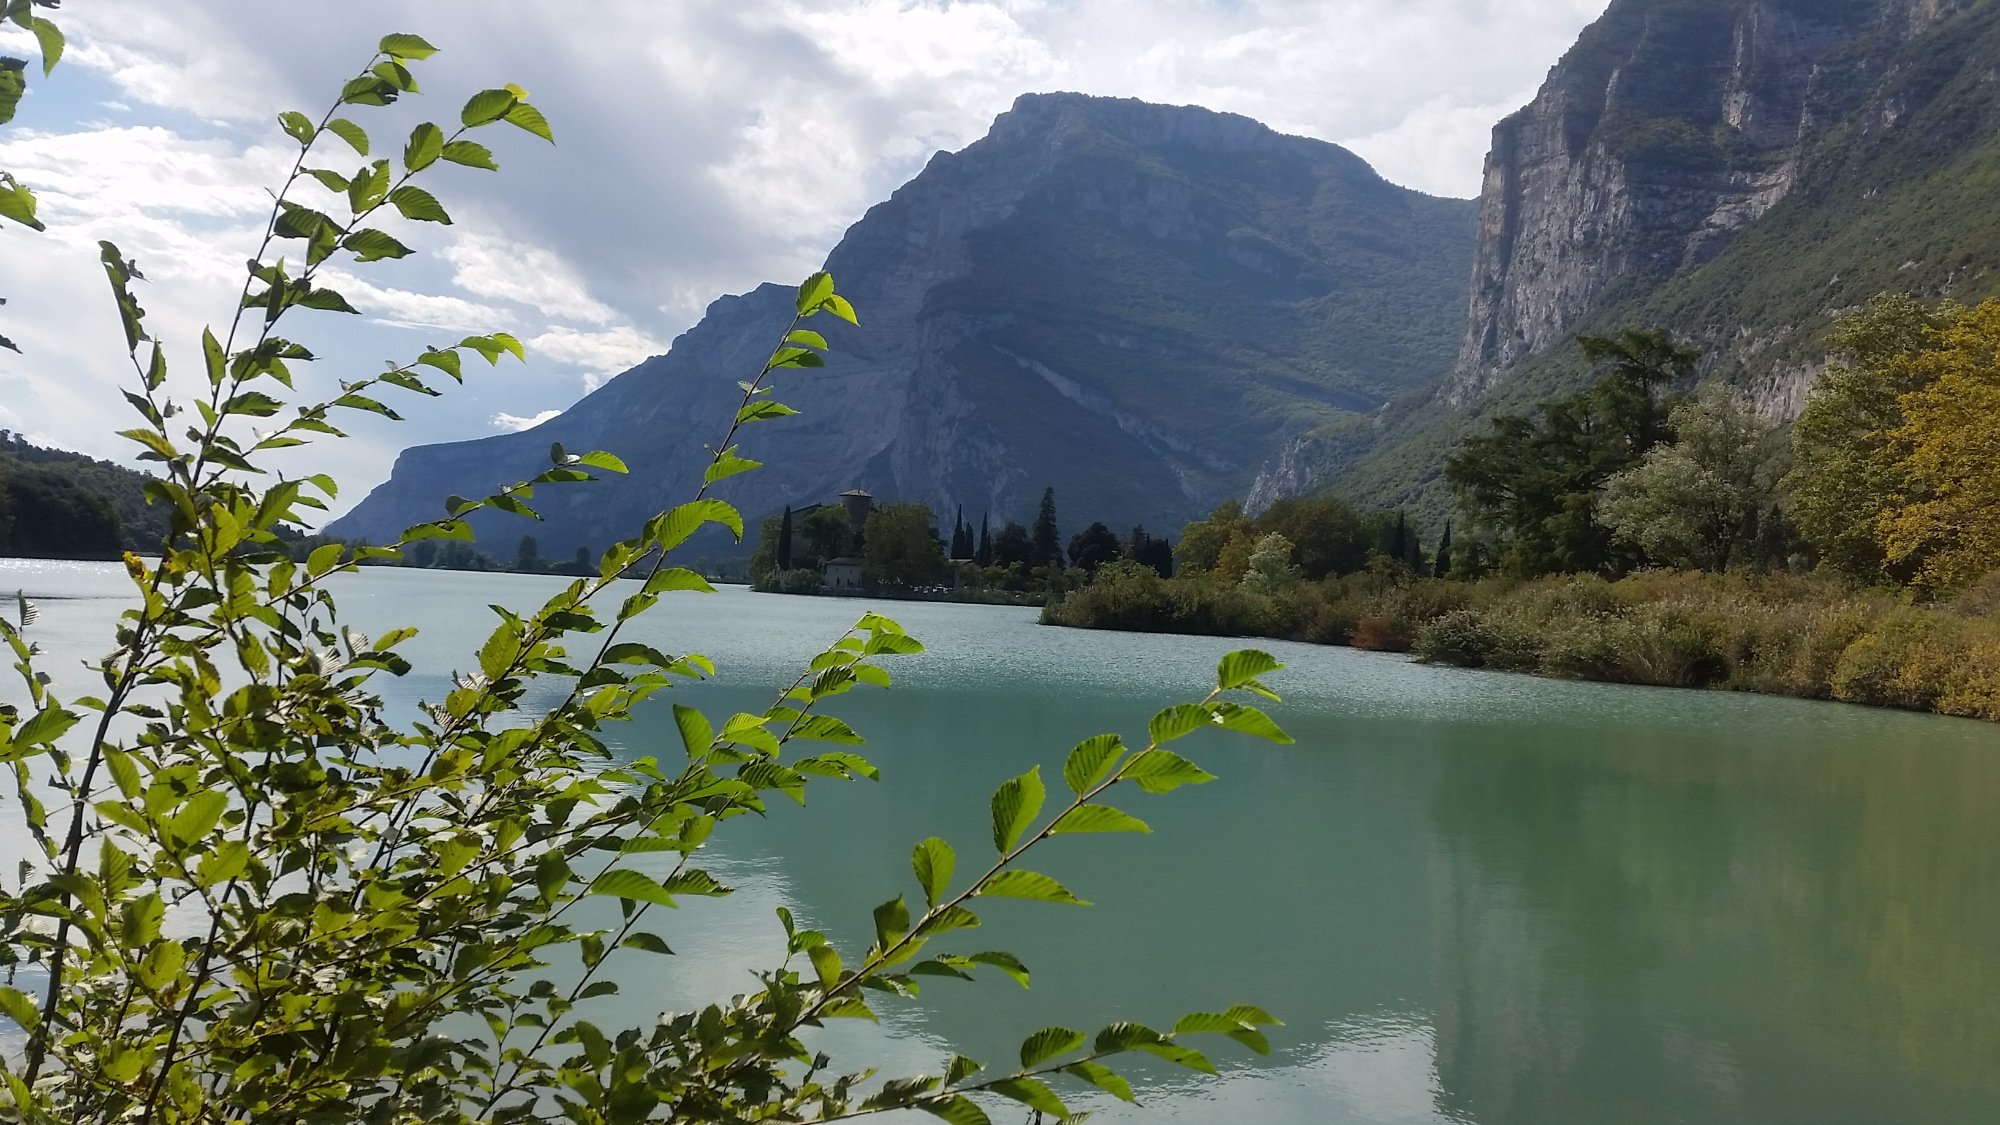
x=1134, y=303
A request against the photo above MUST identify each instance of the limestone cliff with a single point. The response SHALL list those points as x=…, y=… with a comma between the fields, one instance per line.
x=1737, y=171
x=1134, y=303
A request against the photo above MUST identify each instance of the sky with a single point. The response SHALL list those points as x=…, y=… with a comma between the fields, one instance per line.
x=702, y=147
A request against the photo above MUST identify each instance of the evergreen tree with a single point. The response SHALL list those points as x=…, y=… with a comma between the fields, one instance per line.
x=961, y=536
x=1442, y=565
x=1148, y=550
x=1047, y=539
x=583, y=565
x=528, y=556
x=984, y=555
x=785, y=541
x=1398, y=547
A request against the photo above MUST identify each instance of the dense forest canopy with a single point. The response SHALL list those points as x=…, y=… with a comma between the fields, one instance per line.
x=58, y=504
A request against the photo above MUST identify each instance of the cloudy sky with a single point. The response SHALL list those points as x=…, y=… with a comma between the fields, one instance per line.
x=703, y=146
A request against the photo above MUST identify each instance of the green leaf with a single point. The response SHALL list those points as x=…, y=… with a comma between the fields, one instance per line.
x=486, y=107
x=15, y=1005
x=527, y=117
x=1015, y=805
x=471, y=154
x=763, y=410
x=323, y=559
x=1162, y=771
x=1047, y=1043
x=1125, y=1036
x=297, y=126
x=198, y=817
x=826, y=963
x=403, y=45
x=419, y=205
x=18, y=203
x=13, y=84
x=728, y=465
x=1102, y=1077
x=1033, y=1094
x=892, y=923
x=956, y=1109
x=632, y=886
x=355, y=136
x=49, y=38
x=1097, y=818
x=599, y=459
x=1031, y=885
x=425, y=146
x=1091, y=762
x=370, y=245
x=933, y=861
x=650, y=943
x=673, y=578
x=1177, y=721
x=960, y=1068
x=814, y=291
x=677, y=525
x=1248, y=720
x=1240, y=668
x=1005, y=962
x=697, y=733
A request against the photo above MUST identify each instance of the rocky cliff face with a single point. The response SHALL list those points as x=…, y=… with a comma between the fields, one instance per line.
x=1134, y=303
x=1736, y=171
x=1666, y=131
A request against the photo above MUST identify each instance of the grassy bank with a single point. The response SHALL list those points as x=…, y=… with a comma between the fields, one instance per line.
x=1809, y=637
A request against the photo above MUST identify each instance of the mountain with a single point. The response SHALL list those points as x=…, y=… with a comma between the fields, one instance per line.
x=1137, y=304
x=1738, y=171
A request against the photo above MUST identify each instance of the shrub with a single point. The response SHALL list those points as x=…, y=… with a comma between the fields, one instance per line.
x=254, y=894
x=1461, y=637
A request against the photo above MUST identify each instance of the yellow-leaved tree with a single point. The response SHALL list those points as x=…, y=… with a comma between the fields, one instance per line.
x=1943, y=527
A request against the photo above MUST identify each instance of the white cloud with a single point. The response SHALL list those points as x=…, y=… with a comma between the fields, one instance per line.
x=492, y=266
x=517, y=423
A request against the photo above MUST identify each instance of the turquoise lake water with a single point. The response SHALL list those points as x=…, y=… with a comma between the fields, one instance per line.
x=1474, y=898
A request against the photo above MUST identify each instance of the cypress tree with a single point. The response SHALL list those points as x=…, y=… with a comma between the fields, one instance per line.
x=1442, y=566
x=1047, y=539
x=984, y=555
x=785, y=541
x=961, y=536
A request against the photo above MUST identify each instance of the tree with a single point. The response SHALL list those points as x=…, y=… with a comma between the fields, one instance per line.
x=1093, y=547
x=56, y=515
x=1202, y=542
x=785, y=540
x=1147, y=550
x=984, y=555
x=827, y=532
x=1441, y=566
x=1845, y=476
x=1690, y=503
x=582, y=560
x=1048, y=540
x=901, y=547
x=1327, y=535
x=1013, y=546
x=764, y=568
x=1942, y=526
x=528, y=556
x=1533, y=481
x=1270, y=566
x=253, y=892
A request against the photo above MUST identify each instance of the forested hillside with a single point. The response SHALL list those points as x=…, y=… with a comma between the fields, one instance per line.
x=57, y=504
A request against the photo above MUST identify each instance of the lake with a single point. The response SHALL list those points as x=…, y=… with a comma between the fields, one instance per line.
x=1474, y=898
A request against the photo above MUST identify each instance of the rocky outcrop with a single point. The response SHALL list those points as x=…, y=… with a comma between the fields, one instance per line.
x=1133, y=303
x=1668, y=130
x=1736, y=171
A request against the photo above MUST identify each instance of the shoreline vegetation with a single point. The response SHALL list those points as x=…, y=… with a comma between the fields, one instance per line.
x=1628, y=534
x=1802, y=636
